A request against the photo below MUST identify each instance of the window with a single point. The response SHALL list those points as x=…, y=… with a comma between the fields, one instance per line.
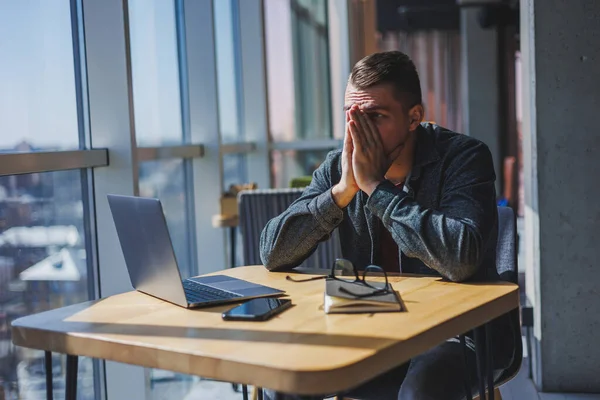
x=229, y=76
x=38, y=109
x=155, y=70
x=235, y=170
x=299, y=87
x=45, y=238
x=298, y=70
x=158, y=122
x=158, y=117
x=43, y=265
x=290, y=164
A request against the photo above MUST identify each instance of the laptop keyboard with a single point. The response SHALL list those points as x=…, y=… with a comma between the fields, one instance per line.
x=198, y=293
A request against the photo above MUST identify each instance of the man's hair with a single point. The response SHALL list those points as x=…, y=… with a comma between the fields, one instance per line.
x=390, y=67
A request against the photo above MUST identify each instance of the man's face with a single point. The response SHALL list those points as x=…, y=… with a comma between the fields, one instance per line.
x=386, y=111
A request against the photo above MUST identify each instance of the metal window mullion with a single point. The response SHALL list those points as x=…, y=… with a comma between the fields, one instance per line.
x=238, y=67
x=111, y=125
x=339, y=62
x=188, y=166
x=201, y=73
x=254, y=89
x=87, y=177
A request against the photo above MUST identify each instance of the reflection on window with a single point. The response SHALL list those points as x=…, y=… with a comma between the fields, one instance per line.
x=298, y=69
x=42, y=266
x=155, y=72
x=235, y=170
x=165, y=180
x=37, y=81
x=290, y=164
x=229, y=77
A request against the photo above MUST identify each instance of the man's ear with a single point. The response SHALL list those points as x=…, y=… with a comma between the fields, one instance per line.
x=415, y=117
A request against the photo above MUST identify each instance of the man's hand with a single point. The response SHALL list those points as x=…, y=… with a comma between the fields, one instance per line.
x=346, y=189
x=369, y=162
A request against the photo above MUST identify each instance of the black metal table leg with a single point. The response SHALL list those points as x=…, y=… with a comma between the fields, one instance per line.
x=490, y=361
x=468, y=387
x=71, y=389
x=232, y=239
x=480, y=350
x=259, y=392
x=48, y=366
x=245, y=392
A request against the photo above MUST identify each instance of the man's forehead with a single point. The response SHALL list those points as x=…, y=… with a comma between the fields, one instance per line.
x=365, y=103
x=375, y=98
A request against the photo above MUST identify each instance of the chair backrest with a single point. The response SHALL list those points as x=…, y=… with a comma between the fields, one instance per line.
x=506, y=249
x=257, y=207
x=507, y=267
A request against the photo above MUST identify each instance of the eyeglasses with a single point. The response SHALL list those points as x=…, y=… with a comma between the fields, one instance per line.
x=342, y=267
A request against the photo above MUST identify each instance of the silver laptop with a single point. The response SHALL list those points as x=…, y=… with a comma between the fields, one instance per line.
x=151, y=262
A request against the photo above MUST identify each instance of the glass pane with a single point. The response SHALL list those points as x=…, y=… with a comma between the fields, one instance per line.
x=229, y=76
x=235, y=170
x=289, y=164
x=38, y=109
x=165, y=180
x=298, y=69
x=155, y=69
x=42, y=266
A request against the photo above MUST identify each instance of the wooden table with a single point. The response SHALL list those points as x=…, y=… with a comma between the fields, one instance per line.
x=302, y=350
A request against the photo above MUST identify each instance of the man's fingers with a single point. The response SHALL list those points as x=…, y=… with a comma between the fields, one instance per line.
x=372, y=132
x=375, y=138
x=357, y=139
x=355, y=115
x=368, y=130
x=364, y=128
x=348, y=140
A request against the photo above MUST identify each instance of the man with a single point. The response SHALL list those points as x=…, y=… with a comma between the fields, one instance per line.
x=405, y=195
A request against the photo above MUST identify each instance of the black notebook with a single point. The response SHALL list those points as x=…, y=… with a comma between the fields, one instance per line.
x=337, y=301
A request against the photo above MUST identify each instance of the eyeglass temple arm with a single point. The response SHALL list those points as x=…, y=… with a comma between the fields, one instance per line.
x=314, y=278
x=377, y=268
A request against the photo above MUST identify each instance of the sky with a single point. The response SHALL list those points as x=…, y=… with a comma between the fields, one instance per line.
x=37, y=88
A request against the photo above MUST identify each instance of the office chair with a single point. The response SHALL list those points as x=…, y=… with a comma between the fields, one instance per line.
x=507, y=268
x=257, y=207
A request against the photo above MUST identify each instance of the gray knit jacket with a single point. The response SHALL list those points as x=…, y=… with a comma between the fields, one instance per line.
x=444, y=224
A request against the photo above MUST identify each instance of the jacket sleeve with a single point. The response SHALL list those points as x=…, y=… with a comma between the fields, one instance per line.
x=453, y=238
x=291, y=237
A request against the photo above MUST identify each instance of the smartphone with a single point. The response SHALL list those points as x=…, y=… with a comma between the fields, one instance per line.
x=257, y=309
